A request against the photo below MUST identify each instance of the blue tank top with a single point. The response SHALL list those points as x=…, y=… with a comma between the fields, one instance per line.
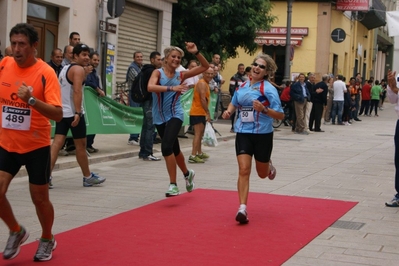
x=166, y=105
x=249, y=120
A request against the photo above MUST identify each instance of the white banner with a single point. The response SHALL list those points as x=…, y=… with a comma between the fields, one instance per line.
x=392, y=18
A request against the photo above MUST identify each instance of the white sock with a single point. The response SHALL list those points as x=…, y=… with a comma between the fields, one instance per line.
x=243, y=207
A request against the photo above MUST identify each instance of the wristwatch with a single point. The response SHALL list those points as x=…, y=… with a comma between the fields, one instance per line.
x=79, y=114
x=32, y=101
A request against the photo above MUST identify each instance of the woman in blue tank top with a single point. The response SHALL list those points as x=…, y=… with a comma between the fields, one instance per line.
x=166, y=86
x=257, y=103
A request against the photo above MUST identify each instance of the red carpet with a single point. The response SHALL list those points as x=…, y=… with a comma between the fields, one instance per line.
x=197, y=229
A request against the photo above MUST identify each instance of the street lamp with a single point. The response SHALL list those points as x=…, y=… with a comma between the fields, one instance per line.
x=287, y=65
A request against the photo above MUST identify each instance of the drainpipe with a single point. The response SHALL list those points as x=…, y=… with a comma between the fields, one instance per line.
x=99, y=33
x=287, y=63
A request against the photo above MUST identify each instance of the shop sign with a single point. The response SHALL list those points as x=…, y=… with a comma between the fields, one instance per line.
x=352, y=5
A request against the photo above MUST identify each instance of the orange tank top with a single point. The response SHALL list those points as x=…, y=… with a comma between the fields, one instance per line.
x=196, y=107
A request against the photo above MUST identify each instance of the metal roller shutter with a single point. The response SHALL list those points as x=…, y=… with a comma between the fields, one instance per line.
x=138, y=31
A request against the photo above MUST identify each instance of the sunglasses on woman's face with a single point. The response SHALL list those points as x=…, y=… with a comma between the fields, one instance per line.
x=259, y=65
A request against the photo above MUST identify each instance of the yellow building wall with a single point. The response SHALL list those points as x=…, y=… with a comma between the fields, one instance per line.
x=366, y=39
x=303, y=15
x=342, y=49
x=348, y=50
x=309, y=57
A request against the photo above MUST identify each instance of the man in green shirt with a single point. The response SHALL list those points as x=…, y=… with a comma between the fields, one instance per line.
x=376, y=92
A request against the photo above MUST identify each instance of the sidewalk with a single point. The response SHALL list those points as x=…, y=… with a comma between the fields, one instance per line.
x=353, y=163
x=114, y=146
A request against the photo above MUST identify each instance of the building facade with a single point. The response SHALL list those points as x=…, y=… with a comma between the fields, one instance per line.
x=327, y=37
x=144, y=25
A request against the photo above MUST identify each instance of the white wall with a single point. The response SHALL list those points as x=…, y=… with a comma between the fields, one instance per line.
x=395, y=65
x=83, y=17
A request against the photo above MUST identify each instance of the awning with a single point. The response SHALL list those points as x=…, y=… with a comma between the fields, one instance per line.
x=278, y=40
x=372, y=19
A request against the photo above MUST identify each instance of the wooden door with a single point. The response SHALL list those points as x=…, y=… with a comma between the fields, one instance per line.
x=48, y=36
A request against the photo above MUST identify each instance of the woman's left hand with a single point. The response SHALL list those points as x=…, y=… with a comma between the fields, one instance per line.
x=258, y=106
x=191, y=47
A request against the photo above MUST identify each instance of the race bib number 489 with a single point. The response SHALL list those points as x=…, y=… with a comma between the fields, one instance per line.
x=16, y=118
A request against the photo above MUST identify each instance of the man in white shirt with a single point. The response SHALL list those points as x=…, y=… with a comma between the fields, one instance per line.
x=190, y=82
x=338, y=101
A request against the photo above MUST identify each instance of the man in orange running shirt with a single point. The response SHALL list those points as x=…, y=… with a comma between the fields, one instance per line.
x=30, y=95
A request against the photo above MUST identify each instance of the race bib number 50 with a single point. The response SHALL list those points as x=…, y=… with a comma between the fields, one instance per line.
x=16, y=118
x=247, y=114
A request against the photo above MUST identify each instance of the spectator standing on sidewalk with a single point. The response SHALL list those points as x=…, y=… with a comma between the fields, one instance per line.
x=74, y=38
x=383, y=94
x=148, y=128
x=199, y=115
x=300, y=95
x=392, y=93
x=67, y=55
x=310, y=83
x=353, y=108
x=93, y=81
x=132, y=72
x=216, y=59
x=338, y=100
x=286, y=99
x=56, y=60
x=330, y=96
x=319, y=99
x=346, y=119
x=366, y=97
x=190, y=82
x=247, y=74
x=236, y=80
x=8, y=51
x=376, y=92
x=166, y=85
x=72, y=78
x=259, y=103
x=356, y=90
x=33, y=97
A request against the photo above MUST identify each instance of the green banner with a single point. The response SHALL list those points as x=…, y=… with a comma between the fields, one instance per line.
x=105, y=116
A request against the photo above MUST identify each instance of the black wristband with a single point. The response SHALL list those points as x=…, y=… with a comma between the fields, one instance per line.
x=79, y=114
x=197, y=53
